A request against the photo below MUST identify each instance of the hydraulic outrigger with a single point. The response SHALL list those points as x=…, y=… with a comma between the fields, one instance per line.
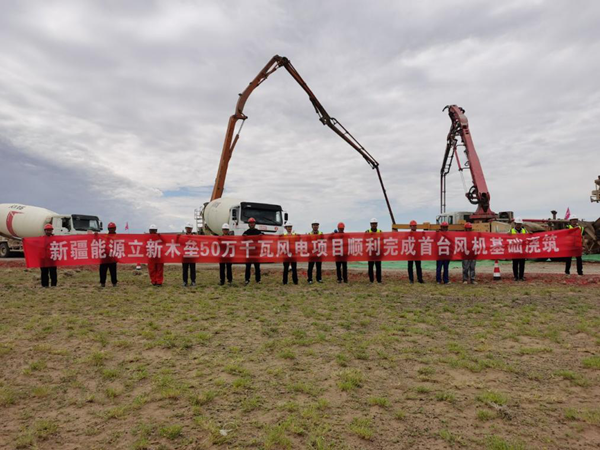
x=230, y=141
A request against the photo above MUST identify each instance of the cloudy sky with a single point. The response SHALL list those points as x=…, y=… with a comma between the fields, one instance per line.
x=119, y=109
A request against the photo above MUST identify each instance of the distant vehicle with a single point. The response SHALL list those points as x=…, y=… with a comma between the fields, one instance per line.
x=23, y=221
x=211, y=217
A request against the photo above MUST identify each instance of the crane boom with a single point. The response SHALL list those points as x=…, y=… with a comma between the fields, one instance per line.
x=230, y=141
x=478, y=194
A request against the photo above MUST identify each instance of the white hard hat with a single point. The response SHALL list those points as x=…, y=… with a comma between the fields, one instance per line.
x=288, y=224
x=315, y=222
x=225, y=226
x=189, y=225
x=373, y=220
x=573, y=217
x=153, y=227
x=518, y=220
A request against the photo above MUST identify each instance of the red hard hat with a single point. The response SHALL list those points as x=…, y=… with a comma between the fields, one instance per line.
x=444, y=224
x=112, y=225
x=251, y=220
x=48, y=226
x=413, y=222
x=341, y=225
x=468, y=226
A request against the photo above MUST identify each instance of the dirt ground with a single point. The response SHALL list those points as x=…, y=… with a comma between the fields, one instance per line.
x=497, y=365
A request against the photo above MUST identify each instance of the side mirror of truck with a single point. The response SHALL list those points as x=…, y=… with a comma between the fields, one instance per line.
x=285, y=217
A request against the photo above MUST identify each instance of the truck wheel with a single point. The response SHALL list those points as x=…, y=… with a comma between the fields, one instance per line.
x=4, y=250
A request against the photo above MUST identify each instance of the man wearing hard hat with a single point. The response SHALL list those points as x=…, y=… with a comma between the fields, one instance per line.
x=417, y=263
x=156, y=268
x=376, y=264
x=518, y=264
x=341, y=267
x=110, y=264
x=442, y=266
x=574, y=223
x=223, y=267
x=311, y=264
x=189, y=267
x=288, y=233
x=49, y=274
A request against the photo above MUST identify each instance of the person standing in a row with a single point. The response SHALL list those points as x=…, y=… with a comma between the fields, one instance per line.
x=413, y=228
x=155, y=266
x=442, y=265
x=288, y=233
x=518, y=263
x=110, y=264
x=311, y=264
x=189, y=266
x=341, y=267
x=376, y=264
x=468, y=265
x=225, y=266
x=252, y=231
x=49, y=274
x=574, y=223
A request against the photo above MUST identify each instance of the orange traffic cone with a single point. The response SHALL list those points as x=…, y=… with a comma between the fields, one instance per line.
x=497, y=275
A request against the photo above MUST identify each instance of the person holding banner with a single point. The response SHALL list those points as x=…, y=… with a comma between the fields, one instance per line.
x=574, y=223
x=188, y=266
x=225, y=266
x=468, y=265
x=377, y=264
x=442, y=265
x=341, y=267
x=49, y=274
x=111, y=264
x=411, y=278
x=155, y=268
x=311, y=264
x=288, y=233
x=518, y=264
x=252, y=231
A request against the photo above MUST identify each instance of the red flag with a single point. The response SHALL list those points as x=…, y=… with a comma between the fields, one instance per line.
x=567, y=214
x=126, y=226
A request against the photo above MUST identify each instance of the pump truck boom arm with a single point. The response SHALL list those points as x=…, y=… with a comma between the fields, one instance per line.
x=478, y=194
x=230, y=141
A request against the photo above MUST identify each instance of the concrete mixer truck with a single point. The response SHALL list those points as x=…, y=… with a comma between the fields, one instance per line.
x=22, y=221
x=211, y=217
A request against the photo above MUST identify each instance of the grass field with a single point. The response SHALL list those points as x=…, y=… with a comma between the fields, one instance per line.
x=494, y=366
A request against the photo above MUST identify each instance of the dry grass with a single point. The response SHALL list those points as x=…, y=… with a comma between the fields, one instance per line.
x=497, y=366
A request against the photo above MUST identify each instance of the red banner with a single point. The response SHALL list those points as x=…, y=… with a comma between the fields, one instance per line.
x=389, y=246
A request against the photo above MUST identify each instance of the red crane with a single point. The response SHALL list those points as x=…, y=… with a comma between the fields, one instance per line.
x=478, y=194
x=230, y=141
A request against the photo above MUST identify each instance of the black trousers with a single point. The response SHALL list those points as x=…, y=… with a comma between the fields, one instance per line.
x=256, y=271
x=191, y=267
x=419, y=271
x=377, y=265
x=222, y=267
x=518, y=268
x=341, y=269
x=311, y=266
x=286, y=269
x=49, y=275
x=579, y=266
x=112, y=267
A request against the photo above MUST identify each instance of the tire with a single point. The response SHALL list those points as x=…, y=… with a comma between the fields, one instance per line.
x=4, y=250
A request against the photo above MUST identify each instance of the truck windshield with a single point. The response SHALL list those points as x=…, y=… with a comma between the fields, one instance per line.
x=86, y=223
x=262, y=216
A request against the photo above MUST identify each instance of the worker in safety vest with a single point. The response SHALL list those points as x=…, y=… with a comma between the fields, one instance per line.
x=376, y=264
x=188, y=266
x=288, y=233
x=518, y=264
x=341, y=267
x=311, y=264
x=110, y=264
x=252, y=231
x=49, y=274
x=574, y=223
x=417, y=264
x=468, y=265
x=155, y=266
x=442, y=266
x=225, y=267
